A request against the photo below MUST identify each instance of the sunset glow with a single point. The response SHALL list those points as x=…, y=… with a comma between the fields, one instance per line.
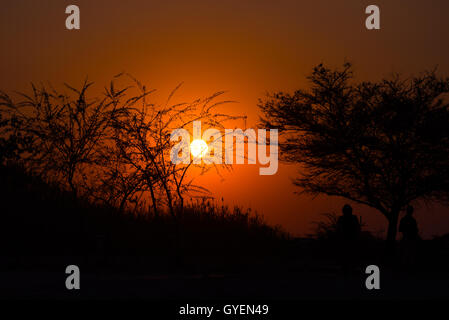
x=198, y=148
x=243, y=48
x=239, y=159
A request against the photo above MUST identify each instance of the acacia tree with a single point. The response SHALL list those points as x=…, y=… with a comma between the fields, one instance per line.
x=66, y=132
x=115, y=183
x=12, y=143
x=115, y=148
x=383, y=144
x=144, y=143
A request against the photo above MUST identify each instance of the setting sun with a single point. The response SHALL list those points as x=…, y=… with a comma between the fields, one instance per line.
x=198, y=148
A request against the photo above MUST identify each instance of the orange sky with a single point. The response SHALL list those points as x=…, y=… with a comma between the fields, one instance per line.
x=244, y=47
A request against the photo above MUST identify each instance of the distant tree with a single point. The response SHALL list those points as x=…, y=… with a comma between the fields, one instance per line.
x=383, y=144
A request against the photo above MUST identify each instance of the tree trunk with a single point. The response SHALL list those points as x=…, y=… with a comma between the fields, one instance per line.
x=392, y=231
x=169, y=198
x=181, y=200
x=123, y=202
x=72, y=185
x=170, y=203
x=153, y=200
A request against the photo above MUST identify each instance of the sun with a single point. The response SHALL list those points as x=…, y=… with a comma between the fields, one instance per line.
x=198, y=148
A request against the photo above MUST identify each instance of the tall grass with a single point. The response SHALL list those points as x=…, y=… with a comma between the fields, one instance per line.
x=41, y=220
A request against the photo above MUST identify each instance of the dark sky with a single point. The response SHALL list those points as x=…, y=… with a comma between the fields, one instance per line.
x=244, y=47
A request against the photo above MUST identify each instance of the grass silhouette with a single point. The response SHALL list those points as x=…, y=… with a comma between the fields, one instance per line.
x=43, y=224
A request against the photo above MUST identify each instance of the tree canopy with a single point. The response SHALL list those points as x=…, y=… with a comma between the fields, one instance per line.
x=384, y=144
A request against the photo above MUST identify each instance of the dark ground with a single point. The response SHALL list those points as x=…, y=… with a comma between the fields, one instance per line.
x=292, y=281
x=214, y=253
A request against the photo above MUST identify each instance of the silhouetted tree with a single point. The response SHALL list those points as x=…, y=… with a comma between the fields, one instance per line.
x=116, y=184
x=144, y=144
x=383, y=144
x=114, y=148
x=66, y=132
x=13, y=143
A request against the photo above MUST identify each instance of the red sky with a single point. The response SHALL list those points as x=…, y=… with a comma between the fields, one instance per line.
x=245, y=47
